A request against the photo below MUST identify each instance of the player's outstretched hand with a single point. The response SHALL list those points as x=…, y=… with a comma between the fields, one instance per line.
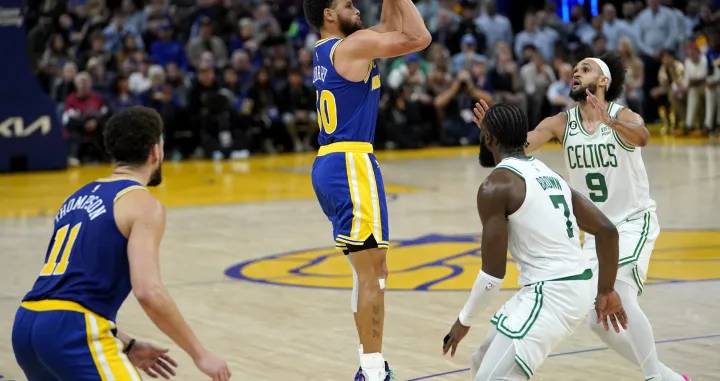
x=152, y=360
x=609, y=306
x=213, y=366
x=453, y=338
x=599, y=112
x=479, y=110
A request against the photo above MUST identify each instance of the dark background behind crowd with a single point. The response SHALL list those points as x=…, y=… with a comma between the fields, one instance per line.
x=232, y=78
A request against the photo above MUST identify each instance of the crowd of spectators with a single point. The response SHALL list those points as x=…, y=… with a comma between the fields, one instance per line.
x=233, y=78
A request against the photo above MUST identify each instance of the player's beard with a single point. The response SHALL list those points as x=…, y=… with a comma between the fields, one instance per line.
x=348, y=27
x=580, y=95
x=487, y=160
x=156, y=177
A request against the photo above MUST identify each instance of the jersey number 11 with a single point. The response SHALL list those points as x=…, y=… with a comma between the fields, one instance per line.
x=52, y=267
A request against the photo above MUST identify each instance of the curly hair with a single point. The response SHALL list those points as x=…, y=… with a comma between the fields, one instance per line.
x=507, y=124
x=617, y=72
x=315, y=11
x=130, y=135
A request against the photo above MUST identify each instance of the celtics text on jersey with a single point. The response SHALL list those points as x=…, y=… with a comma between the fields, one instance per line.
x=605, y=169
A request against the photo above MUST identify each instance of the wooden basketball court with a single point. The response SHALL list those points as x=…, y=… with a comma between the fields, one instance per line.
x=248, y=257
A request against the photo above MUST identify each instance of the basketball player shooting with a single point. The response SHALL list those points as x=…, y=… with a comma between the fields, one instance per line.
x=602, y=143
x=529, y=209
x=346, y=176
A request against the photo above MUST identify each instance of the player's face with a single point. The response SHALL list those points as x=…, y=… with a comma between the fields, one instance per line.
x=348, y=16
x=156, y=176
x=487, y=160
x=585, y=76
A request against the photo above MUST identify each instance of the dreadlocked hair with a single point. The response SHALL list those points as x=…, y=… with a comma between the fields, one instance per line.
x=315, y=11
x=507, y=124
x=617, y=72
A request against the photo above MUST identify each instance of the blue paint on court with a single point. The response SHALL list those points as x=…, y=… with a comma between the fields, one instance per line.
x=677, y=340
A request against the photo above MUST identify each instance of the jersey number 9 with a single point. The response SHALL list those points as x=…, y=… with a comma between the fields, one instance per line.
x=326, y=111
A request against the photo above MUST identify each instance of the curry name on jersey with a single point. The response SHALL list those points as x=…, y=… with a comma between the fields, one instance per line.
x=543, y=235
x=86, y=260
x=605, y=169
x=346, y=111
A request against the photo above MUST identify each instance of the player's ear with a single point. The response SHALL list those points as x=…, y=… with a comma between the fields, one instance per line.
x=603, y=81
x=156, y=153
x=329, y=14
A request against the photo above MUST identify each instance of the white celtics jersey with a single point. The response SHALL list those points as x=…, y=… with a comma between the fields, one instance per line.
x=606, y=170
x=543, y=234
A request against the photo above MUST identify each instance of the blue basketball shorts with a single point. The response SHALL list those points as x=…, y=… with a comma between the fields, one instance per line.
x=348, y=184
x=57, y=340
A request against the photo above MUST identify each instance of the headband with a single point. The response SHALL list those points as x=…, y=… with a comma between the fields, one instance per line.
x=603, y=67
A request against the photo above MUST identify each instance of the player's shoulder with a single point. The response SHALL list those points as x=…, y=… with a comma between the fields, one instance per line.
x=502, y=178
x=502, y=191
x=138, y=205
x=629, y=115
x=138, y=199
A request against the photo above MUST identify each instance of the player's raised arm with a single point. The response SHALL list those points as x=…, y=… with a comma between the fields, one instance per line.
x=591, y=220
x=144, y=218
x=552, y=127
x=390, y=18
x=368, y=44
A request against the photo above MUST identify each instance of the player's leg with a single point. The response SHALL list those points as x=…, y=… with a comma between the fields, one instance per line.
x=350, y=190
x=369, y=219
x=621, y=344
x=500, y=362
x=23, y=348
x=370, y=273
x=477, y=357
x=637, y=239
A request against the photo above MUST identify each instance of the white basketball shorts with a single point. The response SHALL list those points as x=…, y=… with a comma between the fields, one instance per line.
x=540, y=316
x=637, y=240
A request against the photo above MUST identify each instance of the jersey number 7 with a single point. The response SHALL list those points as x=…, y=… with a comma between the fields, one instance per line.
x=52, y=267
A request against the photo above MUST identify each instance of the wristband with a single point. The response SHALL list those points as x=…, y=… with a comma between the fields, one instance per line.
x=484, y=284
x=129, y=346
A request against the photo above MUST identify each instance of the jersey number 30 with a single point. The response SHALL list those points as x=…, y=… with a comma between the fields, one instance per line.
x=52, y=266
x=326, y=111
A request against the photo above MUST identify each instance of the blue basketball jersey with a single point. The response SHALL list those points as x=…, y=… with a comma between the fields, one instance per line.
x=347, y=111
x=86, y=260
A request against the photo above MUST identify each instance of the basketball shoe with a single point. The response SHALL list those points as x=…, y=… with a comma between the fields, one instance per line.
x=362, y=376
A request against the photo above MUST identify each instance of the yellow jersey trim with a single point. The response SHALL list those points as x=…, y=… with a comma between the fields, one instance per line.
x=324, y=40
x=54, y=305
x=332, y=52
x=372, y=64
x=356, y=147
x=128, y=190
x=111, y=179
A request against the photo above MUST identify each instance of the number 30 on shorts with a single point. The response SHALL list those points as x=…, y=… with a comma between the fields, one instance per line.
x=326, y=111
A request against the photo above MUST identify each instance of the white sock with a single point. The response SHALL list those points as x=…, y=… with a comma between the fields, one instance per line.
x=637, y=344
x=373, y=365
